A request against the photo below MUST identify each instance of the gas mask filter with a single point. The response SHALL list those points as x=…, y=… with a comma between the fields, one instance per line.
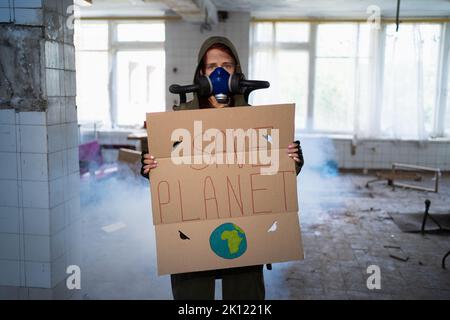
x=220, y=83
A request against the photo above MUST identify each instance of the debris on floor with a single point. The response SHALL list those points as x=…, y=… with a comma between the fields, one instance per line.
x=396, y=252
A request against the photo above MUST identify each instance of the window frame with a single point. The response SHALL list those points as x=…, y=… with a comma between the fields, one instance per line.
x=96, y=122
x=442, y=104
x=113, y=47
x=294, y=46
x=353, y=58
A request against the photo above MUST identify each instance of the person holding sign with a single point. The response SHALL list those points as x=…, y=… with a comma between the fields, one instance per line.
x=218, y=59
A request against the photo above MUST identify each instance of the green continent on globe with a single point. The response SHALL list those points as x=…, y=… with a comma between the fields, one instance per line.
x=238, y=229
x=228, y=241
x=234, y=240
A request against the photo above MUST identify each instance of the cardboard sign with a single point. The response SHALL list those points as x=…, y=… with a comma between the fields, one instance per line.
x=129, y=156
x=224, y=193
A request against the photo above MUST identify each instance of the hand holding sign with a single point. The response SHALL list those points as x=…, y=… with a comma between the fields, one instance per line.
x=148, y=163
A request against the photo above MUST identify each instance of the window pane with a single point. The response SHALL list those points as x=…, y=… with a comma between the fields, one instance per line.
x=92, y=86
x=447, y=112
x=364, y=41
x=337, y=45
x=263, y=31
x=140, y=85
x=287, y=72
x=292, y=32
x=411, y=58
x=91, y=35
x=334, y=95
x=336, y=40
x=141, y=32
x=430, y=36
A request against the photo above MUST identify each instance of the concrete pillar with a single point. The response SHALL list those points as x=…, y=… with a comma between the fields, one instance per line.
x=39, y=171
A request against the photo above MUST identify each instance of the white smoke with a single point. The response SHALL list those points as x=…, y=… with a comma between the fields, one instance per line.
x=119, y=250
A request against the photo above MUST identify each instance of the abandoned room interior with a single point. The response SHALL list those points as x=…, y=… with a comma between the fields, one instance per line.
x=362, y=85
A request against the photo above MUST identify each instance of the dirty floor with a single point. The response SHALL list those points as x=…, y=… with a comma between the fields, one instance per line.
x=346, y=228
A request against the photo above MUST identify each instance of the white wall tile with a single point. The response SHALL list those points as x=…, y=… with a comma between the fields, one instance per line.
x=387, y=165
x=37, y=248
x=33, y=118
x=28, y=3
x=58, y=244
x=9, y=219
x=5, y=15
x=36, y=221
x=33, y=138
x=56, y=192
x=69, y=57
x=68, y=32
x=52, y=82
x=9, y=246
x=9, y=196
x=54, y=111
x=56, y=137
x=38, y=274
x=72, y=135
x=63, y=109
x=70, y=83
x=58, y=218
x=35, y=194
x=34, y=166
x=8, y=167
x=70, y=109
x=8, y=138
x=56, y=164
x=10, y=273
x=28, y=16
x=7, y=116
x=62, y=85
x=61, y=55
x=73, y=163
x=52, y=54
x=381, y=154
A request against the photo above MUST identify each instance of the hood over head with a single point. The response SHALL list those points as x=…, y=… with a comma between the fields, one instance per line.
x=208, y=44
x=238, y=100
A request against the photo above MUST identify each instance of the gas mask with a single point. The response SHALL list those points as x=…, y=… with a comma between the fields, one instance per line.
x=220, y=83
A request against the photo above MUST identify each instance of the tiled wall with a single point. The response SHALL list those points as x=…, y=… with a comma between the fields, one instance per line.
x=373, y=154
x=381, y=154
x=183, y=41
x=39, y=175
x=26, y=12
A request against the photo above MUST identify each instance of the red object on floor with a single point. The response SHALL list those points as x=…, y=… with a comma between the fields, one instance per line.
x=92, y=163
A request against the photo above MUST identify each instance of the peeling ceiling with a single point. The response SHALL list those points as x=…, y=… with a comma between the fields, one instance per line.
x=335, y=8
x=275, y=8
